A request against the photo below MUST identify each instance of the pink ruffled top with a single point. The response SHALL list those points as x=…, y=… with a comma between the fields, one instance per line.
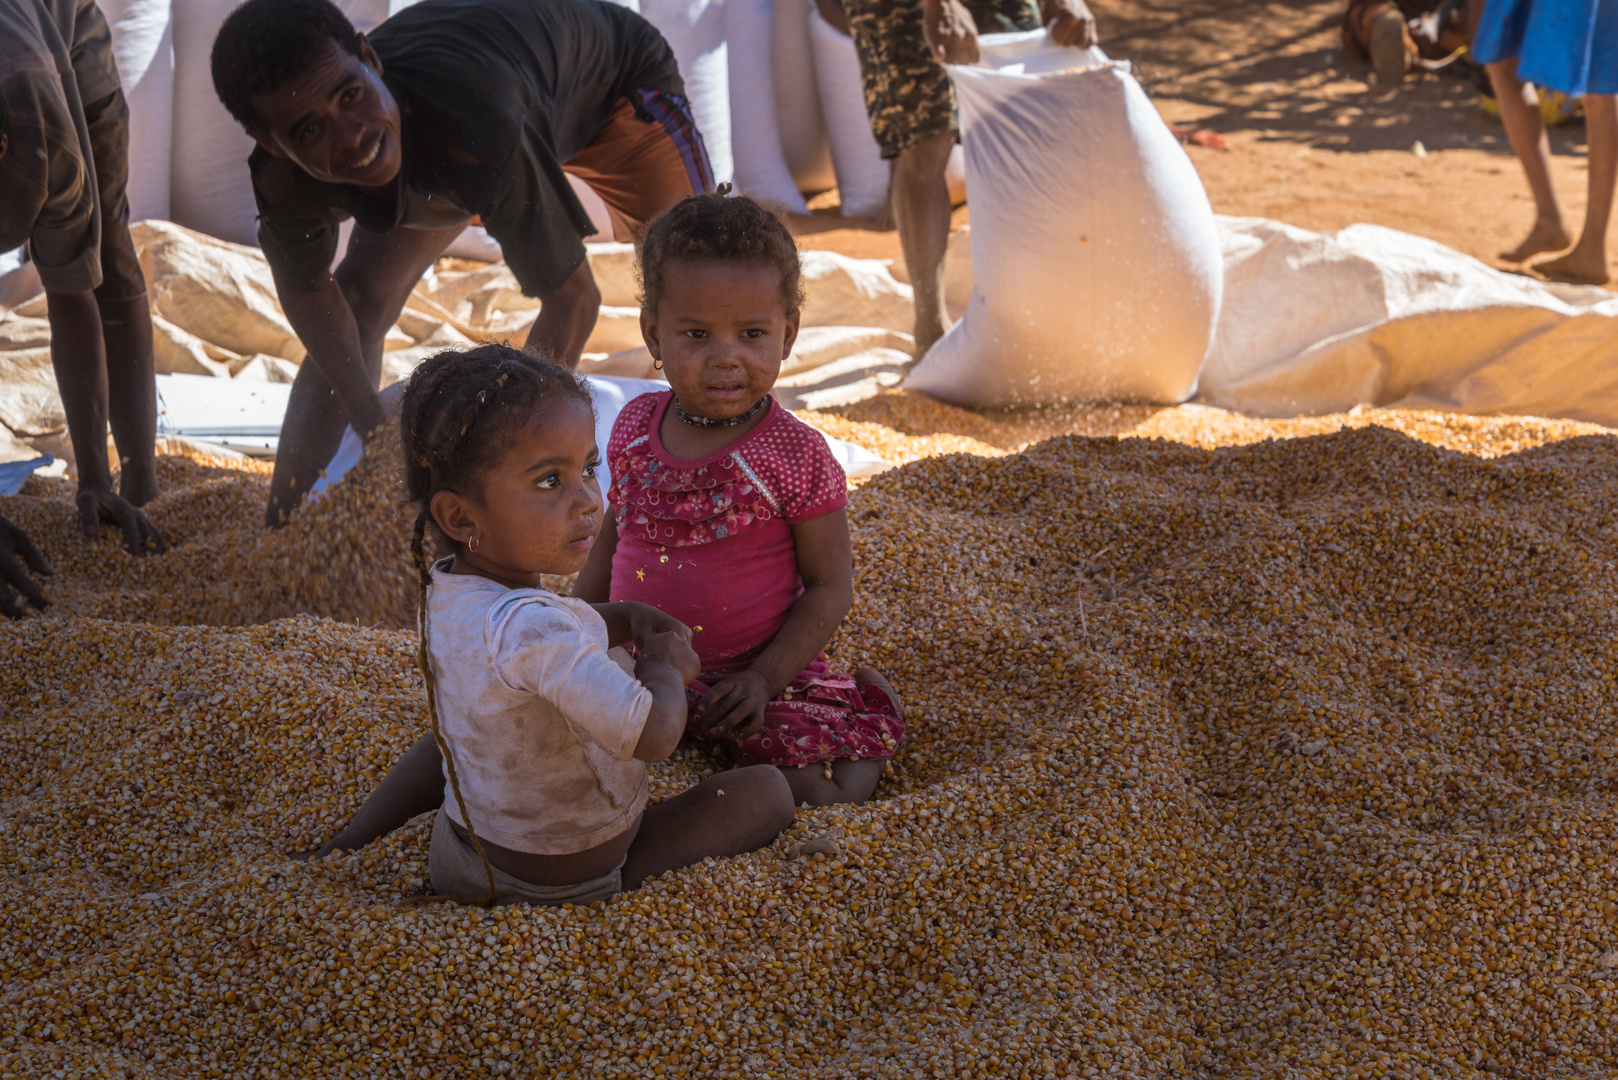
x=709, y=540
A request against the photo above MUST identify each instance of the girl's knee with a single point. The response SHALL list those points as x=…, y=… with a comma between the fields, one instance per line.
x=771, y=796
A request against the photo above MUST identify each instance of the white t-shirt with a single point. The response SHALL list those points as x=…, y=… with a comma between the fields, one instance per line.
x=541, y=722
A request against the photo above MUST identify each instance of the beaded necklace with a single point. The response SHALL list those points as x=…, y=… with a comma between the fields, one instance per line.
x=704, y=421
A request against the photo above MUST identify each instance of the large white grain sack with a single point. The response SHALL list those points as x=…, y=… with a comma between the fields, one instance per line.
x=210, y=188
x=143, y=46
x=761, y=170
x=695, y=30
x=797, y=98
x=366, y=15
x=1096, y=260
x=862, y=175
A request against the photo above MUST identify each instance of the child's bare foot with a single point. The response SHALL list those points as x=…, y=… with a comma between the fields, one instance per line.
x=1577, y=268
x=851, y=780
x=1545, y=236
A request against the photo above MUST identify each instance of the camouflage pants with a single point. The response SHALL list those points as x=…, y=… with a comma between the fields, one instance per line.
x=907, y=93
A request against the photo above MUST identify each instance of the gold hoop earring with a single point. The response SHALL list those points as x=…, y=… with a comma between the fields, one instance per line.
x=472, y=545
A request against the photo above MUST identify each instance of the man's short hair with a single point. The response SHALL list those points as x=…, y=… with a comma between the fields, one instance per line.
x=265, y=44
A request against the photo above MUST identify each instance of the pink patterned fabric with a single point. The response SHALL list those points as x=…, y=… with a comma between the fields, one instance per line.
x=822, y=716
x=709, y=541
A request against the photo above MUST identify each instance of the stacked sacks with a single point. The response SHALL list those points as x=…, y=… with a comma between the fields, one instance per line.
x=695, y=30
x=1097, y=262
x=143, y=46
x=211, y=188
x=862, y=174
x=799, y=119
x=761, y=167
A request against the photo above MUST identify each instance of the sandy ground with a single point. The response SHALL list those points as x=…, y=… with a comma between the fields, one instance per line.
x=1309, y=142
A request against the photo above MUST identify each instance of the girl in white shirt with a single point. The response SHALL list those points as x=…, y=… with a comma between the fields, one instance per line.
x=541, y=736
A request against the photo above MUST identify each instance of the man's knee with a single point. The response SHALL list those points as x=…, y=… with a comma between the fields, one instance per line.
x=926, y=160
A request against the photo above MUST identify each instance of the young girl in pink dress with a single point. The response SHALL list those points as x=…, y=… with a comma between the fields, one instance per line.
x=727, y=510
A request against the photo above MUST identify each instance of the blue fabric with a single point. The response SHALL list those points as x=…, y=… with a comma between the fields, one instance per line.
x=14, y=474
x=1567, y=45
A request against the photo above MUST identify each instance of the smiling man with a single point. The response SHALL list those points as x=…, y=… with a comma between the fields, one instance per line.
x=450, y=109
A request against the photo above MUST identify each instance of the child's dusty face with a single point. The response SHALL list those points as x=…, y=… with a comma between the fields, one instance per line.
x=540, y=507
x=722, y=331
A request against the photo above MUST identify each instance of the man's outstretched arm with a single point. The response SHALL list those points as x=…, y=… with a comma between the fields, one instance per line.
x=335, y=388
x=79, y=357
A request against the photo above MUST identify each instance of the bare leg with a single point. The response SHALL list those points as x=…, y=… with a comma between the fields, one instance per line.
x=376, y=275
x=1526, y=129
x=414, y=786
x=565, y=320
x=1587, y=262
x=921, y=208
x=851, y=781
x=126, y=330
x=729, y=813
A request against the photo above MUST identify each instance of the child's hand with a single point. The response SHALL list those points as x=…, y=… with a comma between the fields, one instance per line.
x=646, y=621
x=734, y=705
x=673, y=649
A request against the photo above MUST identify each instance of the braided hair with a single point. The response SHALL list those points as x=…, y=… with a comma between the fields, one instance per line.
x=459, y=408
x=722, y=227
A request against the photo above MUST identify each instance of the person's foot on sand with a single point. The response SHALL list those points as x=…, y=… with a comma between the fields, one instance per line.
x=1575, y=268
x=1545, y=236
x=927, y=333
x=1389, y=49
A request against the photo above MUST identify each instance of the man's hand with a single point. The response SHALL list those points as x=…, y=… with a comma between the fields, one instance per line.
x=1070, y=22
x=14, y=544
x=98, y=505
x=951, y=34
x=734, y=705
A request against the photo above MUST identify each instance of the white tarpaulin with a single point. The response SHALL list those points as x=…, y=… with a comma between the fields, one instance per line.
x=1319, y=323
x=1312, y=323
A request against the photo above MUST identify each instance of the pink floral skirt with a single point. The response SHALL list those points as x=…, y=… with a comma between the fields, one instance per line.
x=822, y=716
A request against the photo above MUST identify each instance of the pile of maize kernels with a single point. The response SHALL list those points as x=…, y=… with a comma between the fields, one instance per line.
x=1289, y=759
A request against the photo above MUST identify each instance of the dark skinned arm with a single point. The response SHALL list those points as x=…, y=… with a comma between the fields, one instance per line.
x=826, y=563
x=333, y=387
x=325, y=324
x=667, y=662
x=566, y=320
x=79, y=357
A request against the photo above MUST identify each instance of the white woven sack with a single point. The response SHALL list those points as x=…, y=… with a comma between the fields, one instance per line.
x=211, y=190
x=1097, y=263
x=695, y=30
x=862, y=175
x=761, y=170
x=797, y=98
x=143, y=46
